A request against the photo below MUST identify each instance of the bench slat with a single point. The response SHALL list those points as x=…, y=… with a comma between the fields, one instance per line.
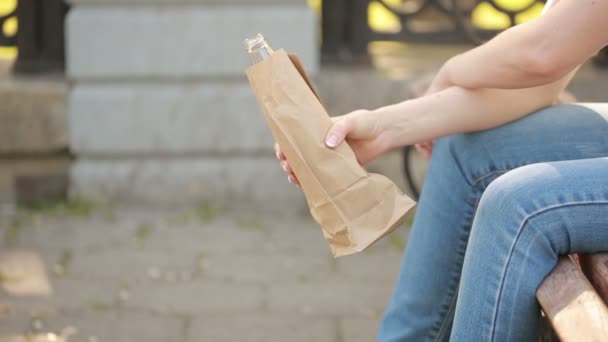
x=595, y=267
x=574, y=309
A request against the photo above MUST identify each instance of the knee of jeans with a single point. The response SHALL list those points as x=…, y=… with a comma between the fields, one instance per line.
x=513, y=190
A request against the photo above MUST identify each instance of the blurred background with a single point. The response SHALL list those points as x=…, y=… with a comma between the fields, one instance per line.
x=140, y=199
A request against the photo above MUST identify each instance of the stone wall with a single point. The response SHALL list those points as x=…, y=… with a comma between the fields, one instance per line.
x=160, y=110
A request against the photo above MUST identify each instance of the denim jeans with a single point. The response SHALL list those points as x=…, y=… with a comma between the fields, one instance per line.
x=497, y=209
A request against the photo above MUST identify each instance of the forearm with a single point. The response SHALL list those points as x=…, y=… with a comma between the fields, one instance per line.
x=505, y=62
x=460, y=110
x=535, y=53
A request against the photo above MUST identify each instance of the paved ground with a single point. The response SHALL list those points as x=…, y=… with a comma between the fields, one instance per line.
x=193, y=275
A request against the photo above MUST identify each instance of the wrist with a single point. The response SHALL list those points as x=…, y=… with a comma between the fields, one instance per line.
x=387, y=132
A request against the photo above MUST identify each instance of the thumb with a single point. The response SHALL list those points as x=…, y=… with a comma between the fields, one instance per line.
x=338, y=132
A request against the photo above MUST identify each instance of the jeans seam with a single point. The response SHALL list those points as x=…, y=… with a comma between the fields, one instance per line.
x=512, y=248
x=477, y=180
x=451, y=307
x=452, y=293
x=459, y=167
x=461, y=252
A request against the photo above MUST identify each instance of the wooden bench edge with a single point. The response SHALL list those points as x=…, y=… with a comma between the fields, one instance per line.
x=575, y=310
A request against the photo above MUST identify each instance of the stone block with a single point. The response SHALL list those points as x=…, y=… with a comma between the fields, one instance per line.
x=100, y=325
x=181, y=42
x=219, y=117
x=33, y=115
x=246, y=182
x=201, y=238
x=34, y=180
x=332, y=296
x=196, y=258
x=136, y=265
x=51, y=236
x=200, y=297
x=120, y=326
x=267, y=269
x=182, y=233
x=70, y=295
x=263, y=328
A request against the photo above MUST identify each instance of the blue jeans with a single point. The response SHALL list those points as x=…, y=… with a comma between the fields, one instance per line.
x=497, y=209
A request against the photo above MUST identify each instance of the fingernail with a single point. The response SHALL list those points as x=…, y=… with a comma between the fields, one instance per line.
x=290, y=179
x=277, y=154
x=332, y=140
x=284, y=166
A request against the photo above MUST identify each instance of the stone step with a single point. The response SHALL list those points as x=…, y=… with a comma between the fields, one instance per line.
x=166, y=119
x=254, y=183
x=34, y=180
x=246, y=182
x=220, y=117
x=33, y=115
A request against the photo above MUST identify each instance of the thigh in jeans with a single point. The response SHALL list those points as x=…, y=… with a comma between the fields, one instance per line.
x=525, y=220
x=462, y=166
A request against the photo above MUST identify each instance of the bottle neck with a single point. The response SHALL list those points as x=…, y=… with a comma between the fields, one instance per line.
x=258, y=49
x=258, y=55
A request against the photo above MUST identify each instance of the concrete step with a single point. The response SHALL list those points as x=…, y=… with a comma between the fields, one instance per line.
x=34, y=180
x=33, y=114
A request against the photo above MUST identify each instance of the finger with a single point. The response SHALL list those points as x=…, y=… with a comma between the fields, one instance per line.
x=294, y=180
x=427, y=151
x=278, y=153
x=285, y=166
x=338, y=132
x=422, y=146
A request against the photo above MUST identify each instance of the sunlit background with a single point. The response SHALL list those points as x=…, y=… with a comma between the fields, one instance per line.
x=9, y=28
x=484, y=15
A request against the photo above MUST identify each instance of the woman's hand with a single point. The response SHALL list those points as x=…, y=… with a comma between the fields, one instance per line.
x=426, y=148
x=363, y=131
x=291, y=177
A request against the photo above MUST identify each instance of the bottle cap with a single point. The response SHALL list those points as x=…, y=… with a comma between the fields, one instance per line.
x=255, y=42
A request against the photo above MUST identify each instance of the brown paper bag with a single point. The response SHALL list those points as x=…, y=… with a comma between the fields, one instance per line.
x=353, y=207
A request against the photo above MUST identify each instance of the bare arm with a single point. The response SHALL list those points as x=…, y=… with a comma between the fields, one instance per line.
x=459, y=110
x=535, y=53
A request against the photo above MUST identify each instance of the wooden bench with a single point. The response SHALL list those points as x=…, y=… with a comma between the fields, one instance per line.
x=574, y=296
